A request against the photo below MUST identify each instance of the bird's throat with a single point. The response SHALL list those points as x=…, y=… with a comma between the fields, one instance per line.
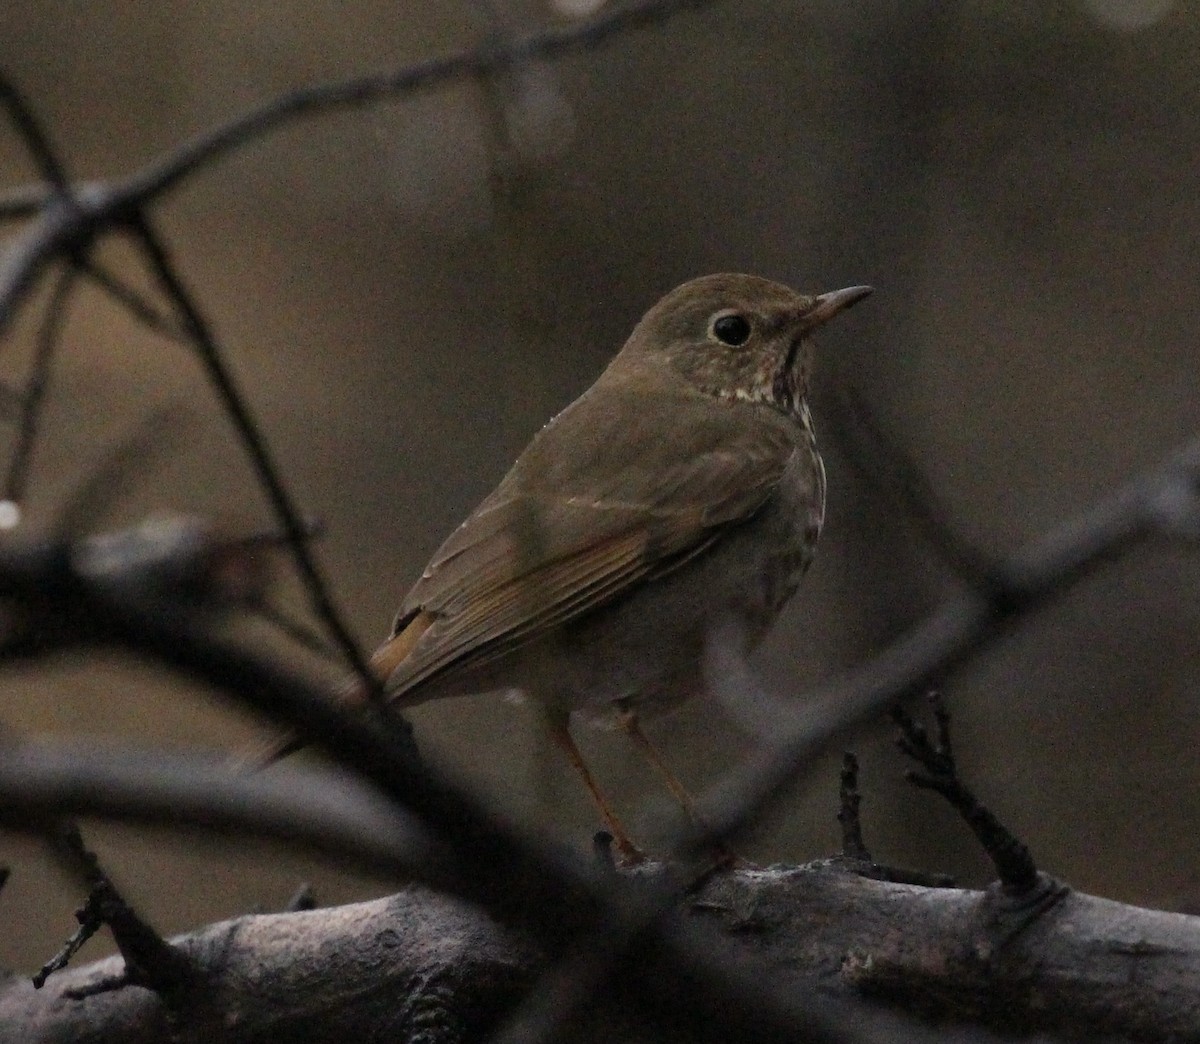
x=790, y=383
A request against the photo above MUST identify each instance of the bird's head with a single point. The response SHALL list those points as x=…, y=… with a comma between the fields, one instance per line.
x=737, y=337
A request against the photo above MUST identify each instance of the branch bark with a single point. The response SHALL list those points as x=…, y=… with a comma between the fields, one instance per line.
x=420, y=966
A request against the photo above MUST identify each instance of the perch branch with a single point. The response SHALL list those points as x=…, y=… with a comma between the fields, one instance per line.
x=1091, y=968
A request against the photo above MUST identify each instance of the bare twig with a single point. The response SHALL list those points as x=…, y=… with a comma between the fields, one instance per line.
x=39, y=380
x=266, y=471
x=878, y=455
x=850, y=801
x=547, y=43
x=296, y=630
x=34, y=136
x=1163, y=500
x=130, y=299
x=90, y=923
x=150, y=960
x=1013, y=862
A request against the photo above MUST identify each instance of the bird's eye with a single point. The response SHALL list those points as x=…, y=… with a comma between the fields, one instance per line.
x=731, y=328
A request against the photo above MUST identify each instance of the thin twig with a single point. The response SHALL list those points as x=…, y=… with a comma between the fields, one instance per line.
x=298, y=631
x=879, y=456
x=268, y=475
x=90, y=923
x=37, y=385
x=850, y=801
x=549, y=42
x=150, y=960
x=34, y=136
x=126, y=296
x=1014, y=864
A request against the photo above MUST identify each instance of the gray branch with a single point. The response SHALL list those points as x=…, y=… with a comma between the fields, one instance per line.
x=422, y=967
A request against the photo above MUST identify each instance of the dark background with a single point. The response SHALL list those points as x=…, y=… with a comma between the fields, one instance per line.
x=409, y=291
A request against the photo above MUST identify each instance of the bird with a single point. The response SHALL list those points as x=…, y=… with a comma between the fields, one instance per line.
x=681, y=493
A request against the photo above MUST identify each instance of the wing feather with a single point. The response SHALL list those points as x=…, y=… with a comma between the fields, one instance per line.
x=591, y=508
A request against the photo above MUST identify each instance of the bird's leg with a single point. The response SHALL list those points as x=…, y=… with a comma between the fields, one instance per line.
x=629, y=852
x=629, y=724
x=628, y=721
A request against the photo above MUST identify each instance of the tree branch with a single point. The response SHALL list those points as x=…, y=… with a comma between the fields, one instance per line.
x=431, y=968
x=313, y=808
x=1162, y=502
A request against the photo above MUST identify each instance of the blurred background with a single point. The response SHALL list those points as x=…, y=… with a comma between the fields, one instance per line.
x=407, y=292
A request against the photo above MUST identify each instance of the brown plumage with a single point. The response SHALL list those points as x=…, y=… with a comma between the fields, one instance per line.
x=682, y=491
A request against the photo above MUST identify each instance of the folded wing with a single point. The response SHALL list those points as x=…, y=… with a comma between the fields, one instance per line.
x=593, y=506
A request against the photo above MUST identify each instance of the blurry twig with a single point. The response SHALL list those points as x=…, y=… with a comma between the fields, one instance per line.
x=136, y=303
x=310, y=807
x=268, y=475
x=150, y=960
x=878, y=455
x=35, y=390
x=1164, y=500
x=166, y=173
x=35, y=138
x=290, y=627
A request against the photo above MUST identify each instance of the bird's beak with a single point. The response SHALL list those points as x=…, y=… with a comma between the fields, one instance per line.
x=826, y=306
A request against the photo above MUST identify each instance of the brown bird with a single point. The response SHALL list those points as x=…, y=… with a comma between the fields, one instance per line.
x=681, y=493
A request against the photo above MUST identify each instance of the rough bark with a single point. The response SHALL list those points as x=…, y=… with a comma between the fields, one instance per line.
x=417, y=966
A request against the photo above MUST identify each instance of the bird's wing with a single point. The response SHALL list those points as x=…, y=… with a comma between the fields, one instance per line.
x=593, y=506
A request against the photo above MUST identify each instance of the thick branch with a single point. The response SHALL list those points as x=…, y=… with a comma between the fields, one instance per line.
x=432, y=967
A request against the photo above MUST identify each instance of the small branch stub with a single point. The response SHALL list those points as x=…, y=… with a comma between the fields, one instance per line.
x=1013, y=862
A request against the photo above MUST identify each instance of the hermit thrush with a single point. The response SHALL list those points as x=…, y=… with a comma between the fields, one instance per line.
x=681, y=493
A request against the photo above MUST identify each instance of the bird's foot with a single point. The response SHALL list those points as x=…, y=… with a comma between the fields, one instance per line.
x=628, y=854
x=617, y=850
x=725, y=858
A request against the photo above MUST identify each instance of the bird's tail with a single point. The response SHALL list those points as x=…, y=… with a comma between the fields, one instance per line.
x=352, y=694
x=256, y=756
